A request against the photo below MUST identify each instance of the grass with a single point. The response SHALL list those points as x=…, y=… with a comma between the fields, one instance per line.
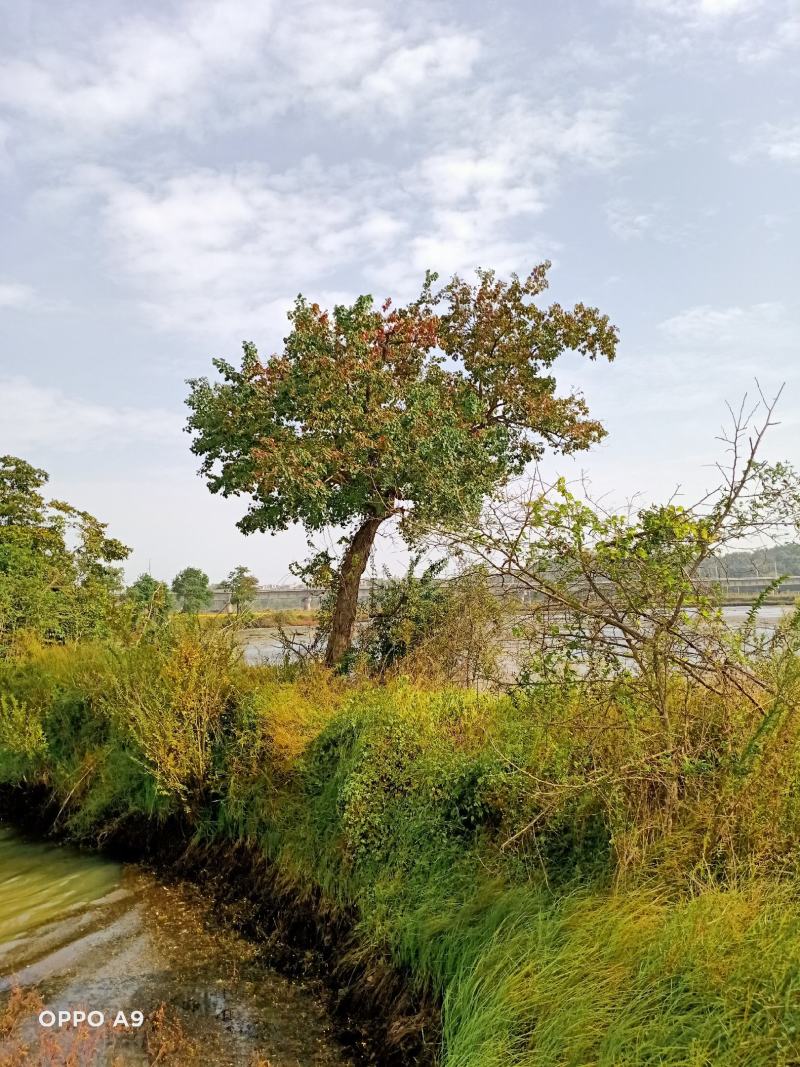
x=272, y=618
x=575, y=885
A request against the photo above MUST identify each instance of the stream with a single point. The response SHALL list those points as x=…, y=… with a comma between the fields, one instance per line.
x=92, y=934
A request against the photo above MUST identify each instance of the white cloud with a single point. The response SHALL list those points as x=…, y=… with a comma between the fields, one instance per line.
x=783, y=36
x=502, y=167
x=33, y=416
x=225, y=249
x=225, y=63
x=713, y=33
x=700, y=10
x=408, y=71
x=222, y=247
x=136, y=70
x=663, y=221
x=629, y=222
x=16, y=296
x=754, y=329
x=678, y=382
x=779, y=142
x=716, y=8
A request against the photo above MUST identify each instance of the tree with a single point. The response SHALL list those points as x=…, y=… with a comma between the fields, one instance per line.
x=612, y=594
x=242, y=586
x=150, y=597
x=57, y=573
x=192, y=589
x=628, y=643
x=417, y=412
x=760, y=562
x=21, y=503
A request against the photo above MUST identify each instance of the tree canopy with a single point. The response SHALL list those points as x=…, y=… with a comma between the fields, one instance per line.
x=242, y=587
x=417, y=411
x=150, y=598
x=191, y=588
x=58, y=577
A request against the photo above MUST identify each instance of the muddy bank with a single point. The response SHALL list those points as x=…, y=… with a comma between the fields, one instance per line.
x=372, y=1017
x=93, y=935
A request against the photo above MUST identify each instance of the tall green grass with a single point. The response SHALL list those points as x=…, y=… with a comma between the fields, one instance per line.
x=574, y=891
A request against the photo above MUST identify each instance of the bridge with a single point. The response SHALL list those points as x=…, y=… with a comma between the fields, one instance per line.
x=303, y=598
x=284, y=597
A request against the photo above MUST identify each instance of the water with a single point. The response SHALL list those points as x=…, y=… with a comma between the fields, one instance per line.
x=767, y=618
x=265, y=646
x=93, y=934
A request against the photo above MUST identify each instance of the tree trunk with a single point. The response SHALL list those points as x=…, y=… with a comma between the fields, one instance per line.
x=354, y=564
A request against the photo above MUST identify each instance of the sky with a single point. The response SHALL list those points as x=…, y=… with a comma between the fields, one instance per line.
x=173, y=173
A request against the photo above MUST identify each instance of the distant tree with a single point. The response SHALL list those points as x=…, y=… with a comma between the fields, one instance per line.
x=150, y=597
x=242, y=587
x=58, y=577
x=192, y=590
x=760, y=562
x=21, y=503
x=417, y=412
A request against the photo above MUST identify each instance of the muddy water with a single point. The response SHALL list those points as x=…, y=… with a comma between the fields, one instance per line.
x=265, y=645
x=92, y=934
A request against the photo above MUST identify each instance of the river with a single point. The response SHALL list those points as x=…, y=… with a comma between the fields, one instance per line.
x=90, y=933
x=265, y=645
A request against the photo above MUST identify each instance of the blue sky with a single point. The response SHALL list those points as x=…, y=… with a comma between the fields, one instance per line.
x=173, y=173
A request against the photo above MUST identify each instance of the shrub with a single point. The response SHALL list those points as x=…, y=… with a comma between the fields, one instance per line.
x=441, y=630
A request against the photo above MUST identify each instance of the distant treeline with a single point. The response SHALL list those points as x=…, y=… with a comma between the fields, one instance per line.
x=761, y=562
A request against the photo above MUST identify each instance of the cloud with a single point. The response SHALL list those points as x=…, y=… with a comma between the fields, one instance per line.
x=698, y=358
x=750, y=330
x=699, y=11
x=628, y=222
x=783, y=36
x=225, y=249
x=222, y=64
x=780, y=143
x=747, y=31
x=502, y=168
x=16, y=296
x=135, y=70
x=662, y=221
x=396, y=83
x=34, y=416
x=722, y=8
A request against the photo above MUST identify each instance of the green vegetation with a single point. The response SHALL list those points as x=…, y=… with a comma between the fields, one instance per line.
x=58, y=579
x=273, y=618
x=242, y=587
x=573, y=888
x=593, y=862
x=150, y=598
x=191, y=589
x=767, y=562
x=417, y=412
x=450, y=630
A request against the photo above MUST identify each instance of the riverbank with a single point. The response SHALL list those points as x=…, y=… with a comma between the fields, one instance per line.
x=270, y=619
x=374, y=1017
x=81, y=931
x=542, y=867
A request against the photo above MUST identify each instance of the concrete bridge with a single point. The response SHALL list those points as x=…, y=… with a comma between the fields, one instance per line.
x=282, y=598
x=300, y=597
